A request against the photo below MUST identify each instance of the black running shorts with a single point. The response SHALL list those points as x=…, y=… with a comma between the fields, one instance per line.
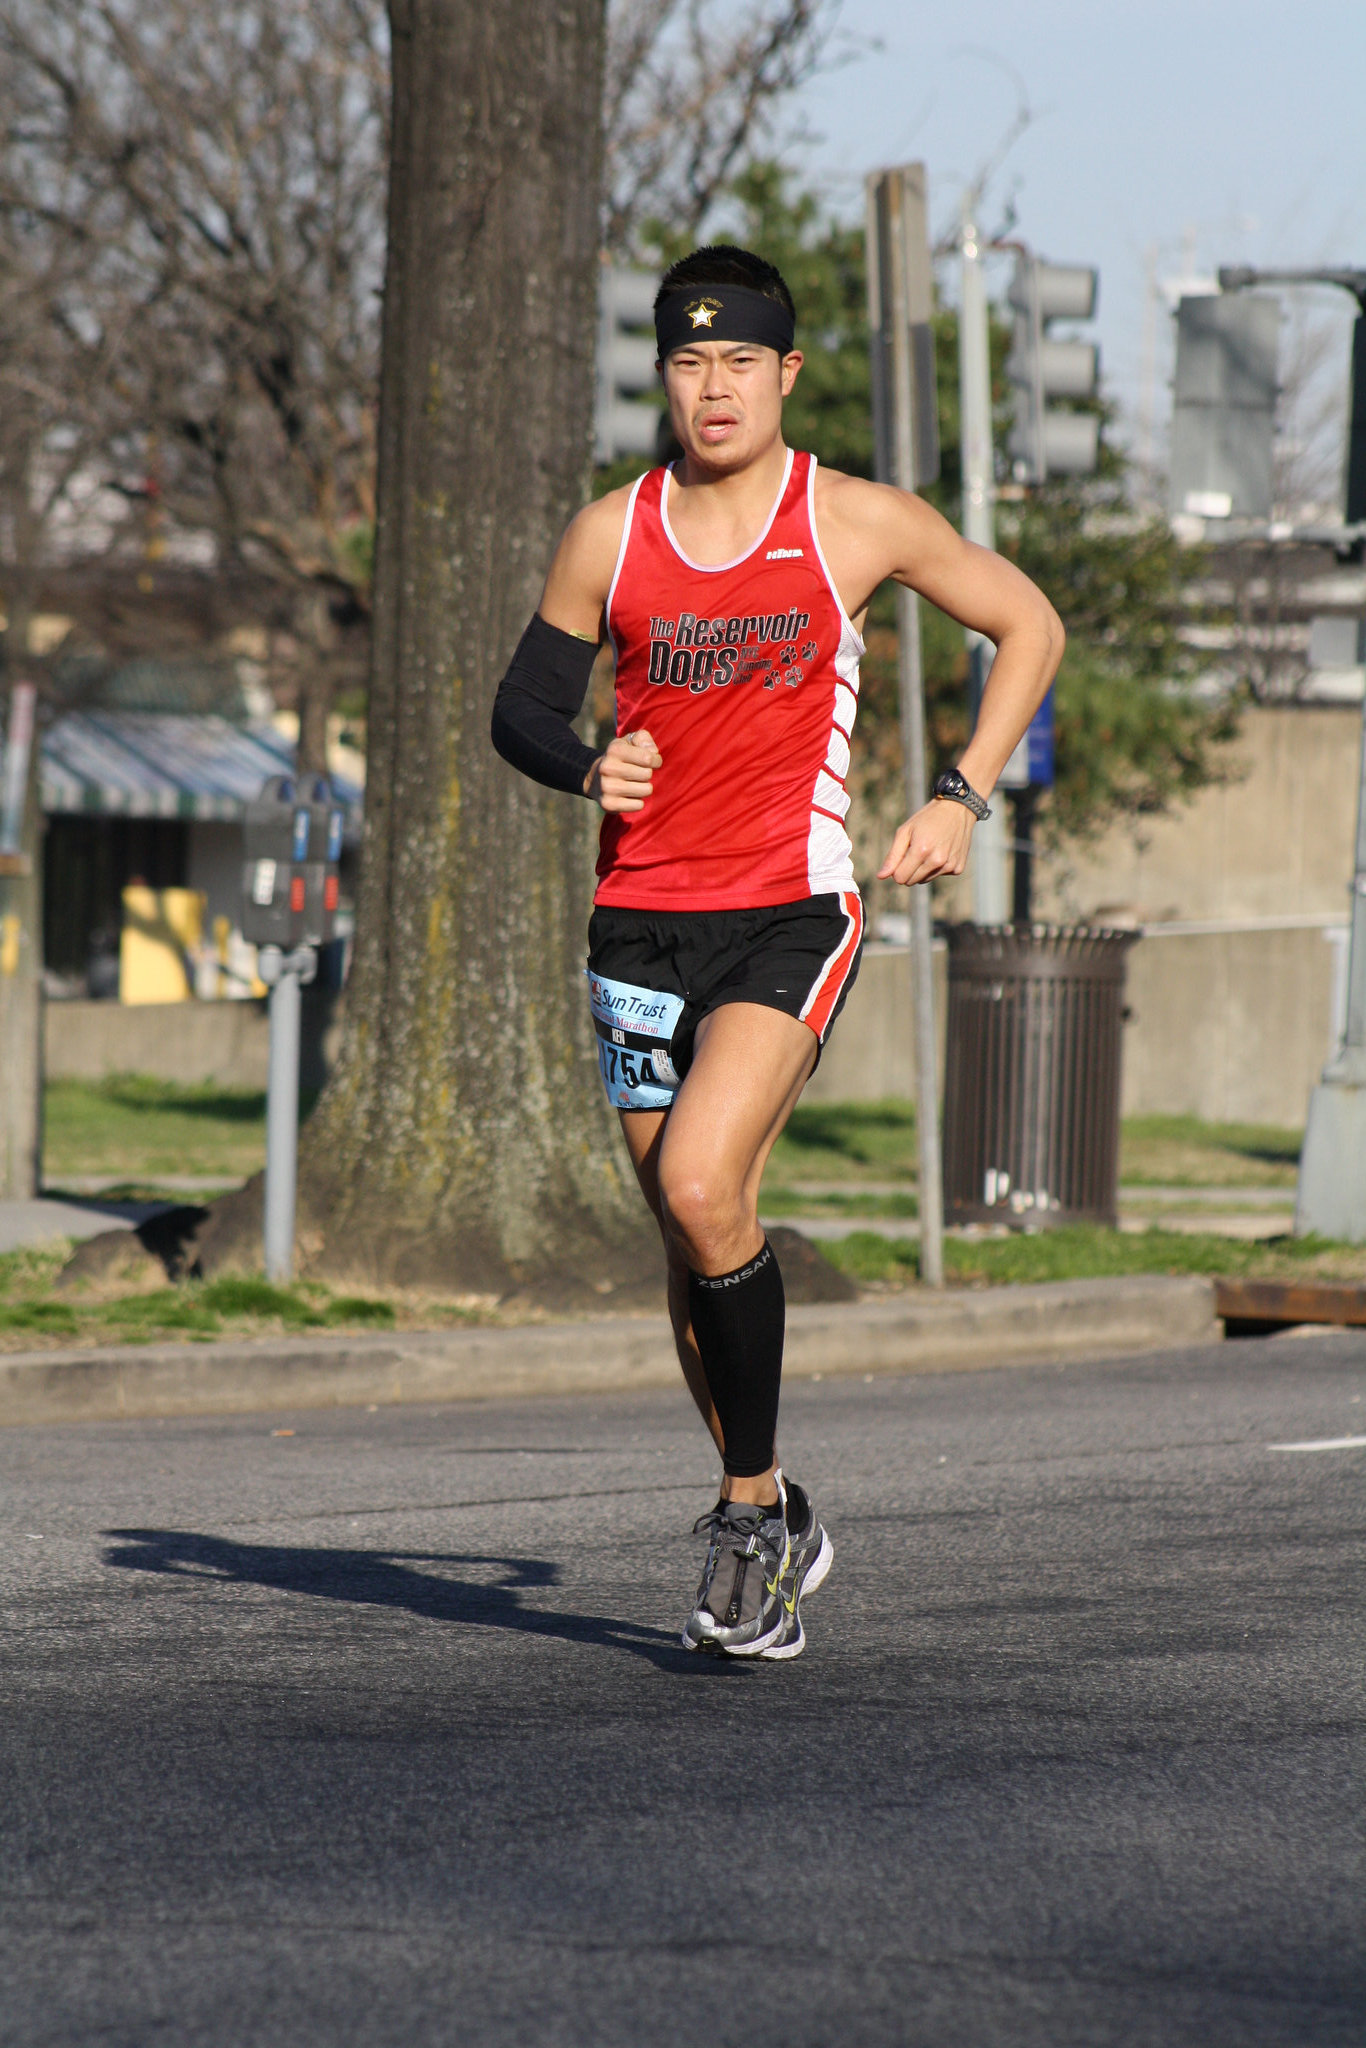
x=800, y=958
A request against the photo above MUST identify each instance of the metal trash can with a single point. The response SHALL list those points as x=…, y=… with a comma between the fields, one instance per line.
x=1031, y=1096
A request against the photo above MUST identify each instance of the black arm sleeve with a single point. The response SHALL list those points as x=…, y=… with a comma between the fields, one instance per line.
x=544, y=688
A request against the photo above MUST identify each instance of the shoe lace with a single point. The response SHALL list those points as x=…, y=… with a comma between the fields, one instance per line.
x=725, y=1535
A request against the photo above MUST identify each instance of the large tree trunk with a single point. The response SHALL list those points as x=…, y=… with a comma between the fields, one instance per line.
x=464, y=1139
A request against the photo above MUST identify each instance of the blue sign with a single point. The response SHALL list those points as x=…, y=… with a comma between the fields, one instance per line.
x=1039, y=744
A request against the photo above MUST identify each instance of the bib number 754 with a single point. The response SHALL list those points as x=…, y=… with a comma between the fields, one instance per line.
x=634, y=1027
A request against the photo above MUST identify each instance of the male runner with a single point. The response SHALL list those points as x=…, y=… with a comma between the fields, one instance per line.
x=728, y=927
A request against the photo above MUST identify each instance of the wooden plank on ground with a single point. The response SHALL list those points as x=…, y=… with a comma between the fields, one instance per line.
x=1289, y=1301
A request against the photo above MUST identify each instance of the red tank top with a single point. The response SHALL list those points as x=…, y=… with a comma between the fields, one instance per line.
x=747, y=677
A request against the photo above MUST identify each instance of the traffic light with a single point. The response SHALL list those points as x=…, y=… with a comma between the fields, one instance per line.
x=1047, y=440
x=1224, y=410
x=622, y=425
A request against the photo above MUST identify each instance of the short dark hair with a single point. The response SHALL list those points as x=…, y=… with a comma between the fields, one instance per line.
x=723, y=263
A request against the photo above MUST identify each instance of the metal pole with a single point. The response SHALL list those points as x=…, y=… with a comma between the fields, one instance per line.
x=1023, y=802
x=21, y=958
x=282, y=1110
x=988, y=860
x=895, y=310
x=1350, y=1061
x=914, y=757
x=1331, y=1198
x=23, y=698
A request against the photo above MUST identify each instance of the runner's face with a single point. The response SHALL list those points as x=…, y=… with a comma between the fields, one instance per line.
x=726, y=399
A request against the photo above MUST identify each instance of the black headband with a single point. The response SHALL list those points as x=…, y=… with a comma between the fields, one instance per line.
x=722, y=312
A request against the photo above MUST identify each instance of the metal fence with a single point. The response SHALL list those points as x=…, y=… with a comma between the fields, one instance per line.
x=1031, y=1108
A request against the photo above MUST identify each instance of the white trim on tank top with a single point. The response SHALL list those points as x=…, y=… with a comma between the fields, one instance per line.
x=621, y=557
x=719, y=568
x=845, y=619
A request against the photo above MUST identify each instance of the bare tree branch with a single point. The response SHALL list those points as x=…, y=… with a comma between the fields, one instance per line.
x=192, y=212
x=690, y=91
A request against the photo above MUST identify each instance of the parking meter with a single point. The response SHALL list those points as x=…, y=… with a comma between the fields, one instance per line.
x=321, y=883
x=293, y=838
x=293, y=841
x=276, y=835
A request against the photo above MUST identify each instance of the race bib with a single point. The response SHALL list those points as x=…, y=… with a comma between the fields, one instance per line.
x=634, y=1027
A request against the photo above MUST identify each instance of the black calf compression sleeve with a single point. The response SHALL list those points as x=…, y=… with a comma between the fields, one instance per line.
x=544, y=688
x=737, y=1319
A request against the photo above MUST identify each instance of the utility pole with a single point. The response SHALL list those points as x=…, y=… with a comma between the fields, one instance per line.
x=990, y=903
x=1331, y=1198
x=21, y=956
x=1147, y=404
x=906, y=435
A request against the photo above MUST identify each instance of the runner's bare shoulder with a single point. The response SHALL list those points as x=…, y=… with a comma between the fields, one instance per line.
x=581, y=573
x=869, y=531
x=854, y=502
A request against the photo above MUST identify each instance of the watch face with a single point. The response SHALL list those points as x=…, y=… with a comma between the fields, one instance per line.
x=952, y=784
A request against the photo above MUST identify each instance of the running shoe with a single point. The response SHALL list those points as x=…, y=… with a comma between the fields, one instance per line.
x=810, y=1556
x=739, y=1606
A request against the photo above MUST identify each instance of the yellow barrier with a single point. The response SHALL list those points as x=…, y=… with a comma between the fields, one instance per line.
x=162, y=929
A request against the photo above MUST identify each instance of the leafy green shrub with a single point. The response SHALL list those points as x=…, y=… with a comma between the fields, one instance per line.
x=360, y=1308
x=242, y=1294
x=169, y=1308
x=52, y=1316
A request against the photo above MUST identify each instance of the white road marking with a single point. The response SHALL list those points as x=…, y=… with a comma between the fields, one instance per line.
x=1325, y=1443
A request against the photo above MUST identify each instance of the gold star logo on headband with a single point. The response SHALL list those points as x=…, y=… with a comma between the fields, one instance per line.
x=702, y=312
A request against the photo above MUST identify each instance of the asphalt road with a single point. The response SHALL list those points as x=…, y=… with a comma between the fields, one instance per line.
x=378, y=1733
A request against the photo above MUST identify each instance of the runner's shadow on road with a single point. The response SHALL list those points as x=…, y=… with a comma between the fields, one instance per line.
x=371, y=1578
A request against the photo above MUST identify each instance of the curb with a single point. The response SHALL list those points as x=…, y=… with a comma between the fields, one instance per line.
x=1051, y=1323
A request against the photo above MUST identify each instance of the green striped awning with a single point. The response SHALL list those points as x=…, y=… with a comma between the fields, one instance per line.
x=163, y=764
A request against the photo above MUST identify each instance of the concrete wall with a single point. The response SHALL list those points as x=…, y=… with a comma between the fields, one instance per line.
x=1274, y=842
x=1232, y=1026
x=226, y=1043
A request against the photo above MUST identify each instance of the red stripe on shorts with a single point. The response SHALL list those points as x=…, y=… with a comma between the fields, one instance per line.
x=819, y=1006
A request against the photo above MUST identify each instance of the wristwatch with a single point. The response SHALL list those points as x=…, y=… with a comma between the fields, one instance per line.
x=952, y=784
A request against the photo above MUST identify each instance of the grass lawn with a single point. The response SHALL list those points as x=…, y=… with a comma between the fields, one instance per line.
x=1182, y=1152
x=845, y=1141
x=1084, y=1251
x=137, y=1130
x=33, y=1315
x=875, y=1141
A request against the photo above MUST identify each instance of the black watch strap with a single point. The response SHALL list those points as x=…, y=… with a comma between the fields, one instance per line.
x=955, y=786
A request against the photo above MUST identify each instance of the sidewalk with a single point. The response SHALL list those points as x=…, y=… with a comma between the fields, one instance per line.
x=960, y=1330
x=45, y=1219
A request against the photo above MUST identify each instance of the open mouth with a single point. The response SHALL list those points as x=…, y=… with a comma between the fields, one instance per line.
x=716, y=426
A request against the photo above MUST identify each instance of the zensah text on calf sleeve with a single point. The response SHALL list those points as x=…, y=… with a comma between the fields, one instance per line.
x=737, y=1321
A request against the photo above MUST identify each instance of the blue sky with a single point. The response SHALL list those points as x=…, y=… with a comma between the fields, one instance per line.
x=1241, y=127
